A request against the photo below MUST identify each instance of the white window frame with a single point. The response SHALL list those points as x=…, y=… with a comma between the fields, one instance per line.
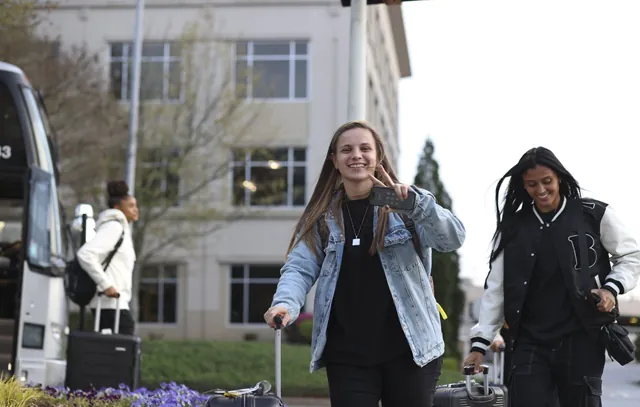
x=292, y=57
x=290, y=164
x=165, y=59
x=246, y=283
x=160, y=282
x=161, y=165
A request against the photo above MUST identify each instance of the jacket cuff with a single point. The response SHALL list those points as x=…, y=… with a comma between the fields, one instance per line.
x=479, y=345
x=614, y=286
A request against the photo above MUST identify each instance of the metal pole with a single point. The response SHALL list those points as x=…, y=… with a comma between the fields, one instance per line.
x=83, y=240
x=134, y=96
x=357, y=93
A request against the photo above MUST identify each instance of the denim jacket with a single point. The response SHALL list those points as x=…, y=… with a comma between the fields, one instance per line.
x=407, y=274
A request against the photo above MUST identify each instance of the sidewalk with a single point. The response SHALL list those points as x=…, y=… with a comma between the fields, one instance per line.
x=306, y=402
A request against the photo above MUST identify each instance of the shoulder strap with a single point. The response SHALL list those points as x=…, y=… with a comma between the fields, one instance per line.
x=107, y=261
x=411, y=227
x=323, y=229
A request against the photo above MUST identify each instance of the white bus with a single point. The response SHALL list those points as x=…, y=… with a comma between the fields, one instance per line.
x=33, y=244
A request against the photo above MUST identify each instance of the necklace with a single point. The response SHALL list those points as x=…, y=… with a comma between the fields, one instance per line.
x=356, y=240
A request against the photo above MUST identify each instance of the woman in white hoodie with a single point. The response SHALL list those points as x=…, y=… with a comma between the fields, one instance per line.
x=116, y=281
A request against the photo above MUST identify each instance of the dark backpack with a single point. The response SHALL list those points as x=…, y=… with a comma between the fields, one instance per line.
x=80, y=286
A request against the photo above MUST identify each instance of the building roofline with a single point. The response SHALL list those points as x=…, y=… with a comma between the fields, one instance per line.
x=400, y=39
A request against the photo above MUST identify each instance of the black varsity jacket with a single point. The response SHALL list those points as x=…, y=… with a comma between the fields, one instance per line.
x=607, y=240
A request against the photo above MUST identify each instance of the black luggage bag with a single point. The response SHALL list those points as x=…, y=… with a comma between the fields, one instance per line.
x=257, y=396
x=97, y=360
x=470, y=394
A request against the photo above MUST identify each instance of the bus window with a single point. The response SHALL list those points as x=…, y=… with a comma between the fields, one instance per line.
x=41, y=131
x=40, y=134
x=12, y=151
x=38, y=236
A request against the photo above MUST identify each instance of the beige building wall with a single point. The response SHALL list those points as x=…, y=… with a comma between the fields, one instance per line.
x=204, y=271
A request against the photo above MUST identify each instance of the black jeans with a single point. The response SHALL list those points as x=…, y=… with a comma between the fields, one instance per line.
x=398, y=383
x=108, y=320
x=570, y=370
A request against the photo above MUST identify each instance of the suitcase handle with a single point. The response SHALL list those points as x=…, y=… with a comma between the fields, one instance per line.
x=487, y=396
x=498, y=378
x=278, y=348
x=116, y=324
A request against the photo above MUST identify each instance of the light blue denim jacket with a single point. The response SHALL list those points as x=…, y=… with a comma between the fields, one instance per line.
x=407, y=274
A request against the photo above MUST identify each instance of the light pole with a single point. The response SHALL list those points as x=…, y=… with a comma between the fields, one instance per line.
x=357, y=88
x=134, y=96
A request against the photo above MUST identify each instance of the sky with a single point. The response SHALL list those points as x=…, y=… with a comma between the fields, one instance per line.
x=493, y=78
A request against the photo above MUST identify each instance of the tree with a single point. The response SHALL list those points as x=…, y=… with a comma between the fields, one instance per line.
x=87, y=123
x=184, y=144
x=190, y=123
x=445, y=266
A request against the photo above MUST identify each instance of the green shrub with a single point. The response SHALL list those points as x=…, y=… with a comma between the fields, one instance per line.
x=306, y=330
x=13, y=394
x=207, y=365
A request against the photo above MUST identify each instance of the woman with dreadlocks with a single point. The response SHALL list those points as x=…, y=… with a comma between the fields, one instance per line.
x=552, y=251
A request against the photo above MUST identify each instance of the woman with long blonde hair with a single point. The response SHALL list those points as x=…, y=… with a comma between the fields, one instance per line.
x=376, y=323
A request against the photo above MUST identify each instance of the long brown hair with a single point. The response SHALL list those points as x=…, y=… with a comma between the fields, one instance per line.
x=329, y=183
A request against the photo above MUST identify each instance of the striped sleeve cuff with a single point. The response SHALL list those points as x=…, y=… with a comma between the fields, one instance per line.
x=479, y=345
x=614, y=286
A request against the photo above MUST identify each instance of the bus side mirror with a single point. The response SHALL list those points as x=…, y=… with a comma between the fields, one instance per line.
x=83, y=225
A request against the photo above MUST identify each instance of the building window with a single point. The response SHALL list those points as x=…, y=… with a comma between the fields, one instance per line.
x=160, y=71
x=252, y=289
x=159, y=174
x=272, y=69
x=158, y=293
x=269, y=176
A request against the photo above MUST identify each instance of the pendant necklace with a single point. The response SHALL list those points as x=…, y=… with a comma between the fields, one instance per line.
x=356, y=239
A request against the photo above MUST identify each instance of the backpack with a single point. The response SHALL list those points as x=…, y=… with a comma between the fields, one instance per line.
x=80, y=286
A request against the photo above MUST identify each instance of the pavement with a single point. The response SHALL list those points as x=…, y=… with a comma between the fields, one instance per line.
x=620, y=388
x=621, y=385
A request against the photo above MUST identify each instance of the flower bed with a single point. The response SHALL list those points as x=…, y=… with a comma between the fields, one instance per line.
x=168, y=394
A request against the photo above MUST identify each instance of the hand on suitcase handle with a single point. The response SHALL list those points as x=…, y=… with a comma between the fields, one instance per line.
x=100, y=294
x=471, y=369
x=110, y=292
x=278, y=321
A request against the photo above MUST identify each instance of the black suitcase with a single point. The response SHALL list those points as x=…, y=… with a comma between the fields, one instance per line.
x=257, y=396
x=470, y=394
x=97, y=360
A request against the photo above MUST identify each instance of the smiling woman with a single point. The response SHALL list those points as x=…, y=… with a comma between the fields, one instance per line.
x=379, y=333
x=552, y=282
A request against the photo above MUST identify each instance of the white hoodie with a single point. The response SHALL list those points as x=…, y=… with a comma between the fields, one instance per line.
x=92, y=254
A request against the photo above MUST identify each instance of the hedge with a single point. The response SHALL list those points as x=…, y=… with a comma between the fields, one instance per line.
x=207, y=365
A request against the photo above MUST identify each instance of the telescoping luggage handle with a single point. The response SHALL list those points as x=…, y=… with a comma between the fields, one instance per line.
x=116, y=324
x=487, y=395
x=498, y=371
x=264, y=386
x=278, y=321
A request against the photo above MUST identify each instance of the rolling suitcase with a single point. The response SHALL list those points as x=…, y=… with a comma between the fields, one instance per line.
x=258, y=395
x=97, y=360
x=470, y=394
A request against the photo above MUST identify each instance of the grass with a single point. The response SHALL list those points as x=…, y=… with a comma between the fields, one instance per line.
x=14, y=395
x=207, y=365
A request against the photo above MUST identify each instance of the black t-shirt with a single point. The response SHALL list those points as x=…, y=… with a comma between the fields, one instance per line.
x=364, y=328
x=548, y=312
